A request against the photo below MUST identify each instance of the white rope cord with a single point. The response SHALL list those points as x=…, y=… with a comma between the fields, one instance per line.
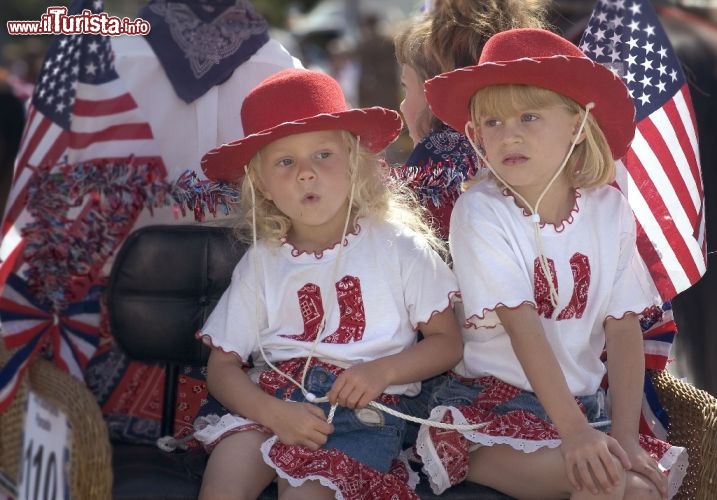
x=310, y=397
x=322, y=325
x=431, y=423
x=534, y=214
x=170, y=443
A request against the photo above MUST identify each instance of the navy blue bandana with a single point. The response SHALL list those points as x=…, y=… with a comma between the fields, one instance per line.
x=201, y=42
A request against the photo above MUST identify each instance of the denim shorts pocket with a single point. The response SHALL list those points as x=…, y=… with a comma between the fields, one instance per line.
x=454, y=393
x=370, y=436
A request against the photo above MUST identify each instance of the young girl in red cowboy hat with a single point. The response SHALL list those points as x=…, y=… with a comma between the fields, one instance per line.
x=449, y=35
x=545, y=255
x=340, y=275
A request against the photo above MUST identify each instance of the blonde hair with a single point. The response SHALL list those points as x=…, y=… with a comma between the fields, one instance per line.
x=453, y=34
x=462, y=27
x=376, y=195
x=589, y=165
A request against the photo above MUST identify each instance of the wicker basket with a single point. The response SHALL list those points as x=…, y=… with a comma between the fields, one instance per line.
x=11, y=424
x=90, y=475
x=693, y=425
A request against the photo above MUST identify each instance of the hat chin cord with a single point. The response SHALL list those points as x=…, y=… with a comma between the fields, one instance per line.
x=534, y=214
x=170, y=443
x=311, y=397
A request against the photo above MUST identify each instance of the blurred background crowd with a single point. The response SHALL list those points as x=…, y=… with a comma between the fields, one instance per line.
x=350, y=39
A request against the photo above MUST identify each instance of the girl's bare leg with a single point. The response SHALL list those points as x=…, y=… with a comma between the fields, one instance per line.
x=310, y=490
x=537, y=475
x=236, y=469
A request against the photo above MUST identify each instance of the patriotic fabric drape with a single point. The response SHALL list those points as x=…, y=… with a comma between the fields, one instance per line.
x=61, y=223
x=660, y=175
x=88, y=165
x=109, y=147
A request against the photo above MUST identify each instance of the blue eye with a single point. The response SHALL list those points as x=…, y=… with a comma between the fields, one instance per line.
x=529, y=117
x=285, y=162
x=491, y=122
x=324, y=154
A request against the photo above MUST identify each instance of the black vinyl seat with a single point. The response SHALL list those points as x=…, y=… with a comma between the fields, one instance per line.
x=164, y=283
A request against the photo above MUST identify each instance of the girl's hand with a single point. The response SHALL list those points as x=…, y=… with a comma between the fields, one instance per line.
x=590, y=460
x=357, y=386
x=300, y=424
x=645, y=465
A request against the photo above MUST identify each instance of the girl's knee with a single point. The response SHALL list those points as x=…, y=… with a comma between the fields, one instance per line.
x=638, y=487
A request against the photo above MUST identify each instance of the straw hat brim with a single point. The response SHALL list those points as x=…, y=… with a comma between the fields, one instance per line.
x=579, y=78
x=377, y=128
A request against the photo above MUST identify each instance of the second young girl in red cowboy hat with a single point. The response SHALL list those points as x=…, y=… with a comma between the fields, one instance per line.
x=545, y=255
x=340, y=275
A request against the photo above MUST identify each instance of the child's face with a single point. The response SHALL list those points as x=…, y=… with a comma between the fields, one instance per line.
x=307, y=177
x=414, y=106
x=527, y=146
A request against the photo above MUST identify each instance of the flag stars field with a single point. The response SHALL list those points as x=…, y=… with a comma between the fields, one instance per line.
x=661, y=173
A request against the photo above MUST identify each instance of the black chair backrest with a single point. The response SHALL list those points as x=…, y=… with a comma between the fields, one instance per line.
x=165, y=281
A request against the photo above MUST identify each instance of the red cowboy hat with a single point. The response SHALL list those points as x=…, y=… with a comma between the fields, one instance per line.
x=529, y=56
x=295, y=101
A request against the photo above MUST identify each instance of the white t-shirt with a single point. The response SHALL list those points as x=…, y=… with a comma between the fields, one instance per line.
x=386, y=282
x=598, y=271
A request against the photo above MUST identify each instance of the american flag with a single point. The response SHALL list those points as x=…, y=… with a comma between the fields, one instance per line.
x=660, y=175
x=79, y=111
x=81, y=121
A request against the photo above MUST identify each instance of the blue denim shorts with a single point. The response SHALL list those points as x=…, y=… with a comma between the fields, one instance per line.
x=450, y=390
x=368, y=435
x=420, y=406
x=456, y=392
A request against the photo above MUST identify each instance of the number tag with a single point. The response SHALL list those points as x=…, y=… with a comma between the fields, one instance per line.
x=45, y=453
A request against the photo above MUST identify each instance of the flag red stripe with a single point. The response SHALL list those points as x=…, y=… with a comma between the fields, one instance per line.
x=686, y=146
x=659, y=274
x=700, y=230
x=13, y=211
x=660, y=149
x=31, y=112
x=692, y=150
x=10, y=264
x=131, y=131
x=118, y=104
x=23, y=150
x=55, y=152
x=37, y=136
x=672, y=235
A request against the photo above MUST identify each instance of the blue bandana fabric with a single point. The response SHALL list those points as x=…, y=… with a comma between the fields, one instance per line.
x=436, y=170
x=201, y=43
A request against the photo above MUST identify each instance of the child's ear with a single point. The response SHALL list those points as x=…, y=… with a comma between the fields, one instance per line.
x=473, y=131
x=478, y=139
